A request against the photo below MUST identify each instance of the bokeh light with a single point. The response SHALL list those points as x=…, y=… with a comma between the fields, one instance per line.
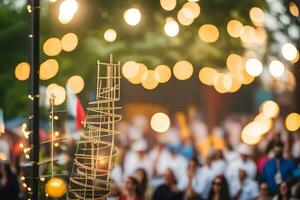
x=58, y=91
x=289, y=51
x=164, y=73
x=237, y=80
x=257, y=16
x=183, y=70
x=251, y=133
x=254, y=67
x=183, y=20
x=208, y=33
x=110, y=35
x=234, y=28
x=234, y=63
x=22, y=71
x=76, y=84
x=138, y=78
x=130, y=69
x=52, y=47
x=208, y=75
x=270, y=109
x=69, y=42
x=150, y=81
x=293, y=8
x=265, y=123
x=223, y=83
x=168, y=5
x=276, y=68
x=160, y=122
x=171, y=27
x=67, y=11
x=248, y=34
x=191, y=10
x=247, y=78
x=48, y=69
x=132, y=16
x=292, y=122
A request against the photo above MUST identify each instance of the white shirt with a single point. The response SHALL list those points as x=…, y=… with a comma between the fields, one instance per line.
x=206, y=176
x=133, y=161
x=219, y=166
x=163, y=160
x=249, y=189
x=178, y=164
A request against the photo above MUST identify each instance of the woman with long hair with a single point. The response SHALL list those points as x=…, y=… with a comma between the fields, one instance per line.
x=142, y=177
x=131, y=189
x=219, y=189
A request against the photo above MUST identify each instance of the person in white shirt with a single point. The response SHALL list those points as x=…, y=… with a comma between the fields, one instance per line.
x=244, y=188
x=219, y=163
x=231, y=173
x=136, y=158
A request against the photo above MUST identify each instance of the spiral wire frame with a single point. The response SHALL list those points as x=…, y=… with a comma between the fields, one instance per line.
x=96, y=152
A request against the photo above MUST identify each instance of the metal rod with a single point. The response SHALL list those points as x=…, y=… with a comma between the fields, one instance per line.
x=34, y=89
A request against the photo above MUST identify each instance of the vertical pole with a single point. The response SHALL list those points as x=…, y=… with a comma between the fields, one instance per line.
x=34, y=89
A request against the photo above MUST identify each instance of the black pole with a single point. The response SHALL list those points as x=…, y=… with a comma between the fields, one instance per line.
x=34, y=89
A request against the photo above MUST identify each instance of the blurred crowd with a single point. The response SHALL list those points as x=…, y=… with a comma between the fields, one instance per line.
x=195, y=161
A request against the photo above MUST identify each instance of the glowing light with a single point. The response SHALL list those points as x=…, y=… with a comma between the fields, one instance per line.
x=234, y=63
x=55, y=187
x=296, y=59
x=168, y=4
x=182, y=19
x=110, y=35
x=52, y=47
x=22, y=71
x=251, y=133
x=183, y=70
x=138, y=78
x=265, y=123
x=67, y=10
x=257, y=16
x=130, y=69
x=208, y=33
x=289, y=51
x=254, y=67
x=293, y=8
x=150, y=81
x=76, y=84
x=236, y=82
x=132, y=16
x=3, y=156
x=191, y=10
x=223, y=83
x=58, y=91
x=270, y=109
x=234, y=28
x=164, y=73
x=171, y=27
x=160, y=122
x=248, y=34
x=292, y=122
x=69, y=42
x=208, y=75
x=276, y=68
x=260, y=35
x=247, y=78
x=48, y=69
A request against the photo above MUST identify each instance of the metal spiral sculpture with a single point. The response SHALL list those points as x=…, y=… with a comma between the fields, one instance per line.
x=96, y=152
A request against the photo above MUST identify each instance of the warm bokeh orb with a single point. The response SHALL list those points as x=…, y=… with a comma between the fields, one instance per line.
x=130, y=69
x=76, y=84
x=22, y=71
x=132, y=16
x=208, y=75
x=52, y=47
x=48, y=69
x=270, y=109
x=234, y=63
x=164, y=73
x=58, y=91
x=69, y=42
x=160, y=122
x=171, y=27
x=234, y=28
x=276, y=68
x=139, y=77
x=110, y=35
x=292, y=122
x=150, y=81
x=183, y=70
x=208, y=33
x=254, y=67
x=257, y=16
x=289, y=51
x=168, y=5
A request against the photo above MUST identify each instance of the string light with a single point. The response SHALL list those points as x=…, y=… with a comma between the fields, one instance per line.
x=132, y=16
x=171, y=27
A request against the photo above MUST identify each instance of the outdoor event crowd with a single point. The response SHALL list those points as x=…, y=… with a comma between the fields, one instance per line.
x=194, y=161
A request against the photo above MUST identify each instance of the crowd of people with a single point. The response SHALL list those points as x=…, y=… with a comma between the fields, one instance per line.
x=192, y=161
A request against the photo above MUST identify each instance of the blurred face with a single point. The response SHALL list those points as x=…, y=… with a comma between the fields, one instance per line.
x=242, y=175
x=278, y=151
x=139, y=176
x=264, y=189
x=283, y=188
x=217, y=185
x=192, y=165
x=128, y=185
x=169, y=178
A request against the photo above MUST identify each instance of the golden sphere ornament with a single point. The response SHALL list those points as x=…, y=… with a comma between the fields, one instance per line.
x=56, y=187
